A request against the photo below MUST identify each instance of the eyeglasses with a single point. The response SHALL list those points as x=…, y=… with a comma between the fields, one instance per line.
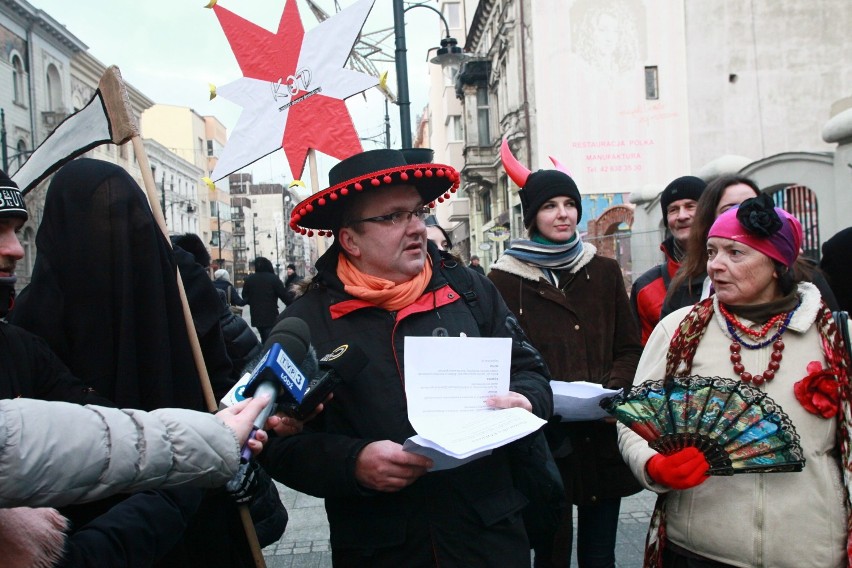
x=397, y=217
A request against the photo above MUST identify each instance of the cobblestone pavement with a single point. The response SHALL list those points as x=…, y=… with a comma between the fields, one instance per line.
x=305, y=542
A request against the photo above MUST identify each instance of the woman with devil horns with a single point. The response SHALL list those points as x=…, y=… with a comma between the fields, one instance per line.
x=572, y=305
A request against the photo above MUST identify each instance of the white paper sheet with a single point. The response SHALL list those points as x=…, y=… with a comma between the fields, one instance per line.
x=579, y=400
x=440, y=460
x=447, y=380
x=446, y=375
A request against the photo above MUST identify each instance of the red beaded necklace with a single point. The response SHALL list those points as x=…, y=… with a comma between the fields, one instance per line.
x=734, y=324
x=757, y=334
x=768, y=374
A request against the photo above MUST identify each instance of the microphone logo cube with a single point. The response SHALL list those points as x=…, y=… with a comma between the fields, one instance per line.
x=290, y=373
x=277, y=366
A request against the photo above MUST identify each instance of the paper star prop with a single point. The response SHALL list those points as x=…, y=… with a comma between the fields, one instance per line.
x=293, y=87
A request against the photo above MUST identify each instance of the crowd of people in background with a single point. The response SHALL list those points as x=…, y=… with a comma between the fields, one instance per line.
x=732, y=297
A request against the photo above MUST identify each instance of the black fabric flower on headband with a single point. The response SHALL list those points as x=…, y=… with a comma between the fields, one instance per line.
x=757, y=216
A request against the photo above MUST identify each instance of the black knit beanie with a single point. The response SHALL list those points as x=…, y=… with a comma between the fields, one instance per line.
x=11, y=199
x=11, y=205
x=547, y=184
x=686, y=187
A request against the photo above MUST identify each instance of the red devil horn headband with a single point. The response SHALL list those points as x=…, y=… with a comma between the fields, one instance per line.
x=560, y=166
x=513, y=167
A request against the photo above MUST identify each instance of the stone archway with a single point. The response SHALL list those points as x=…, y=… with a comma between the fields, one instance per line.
x=602, y=232
x=611, y=242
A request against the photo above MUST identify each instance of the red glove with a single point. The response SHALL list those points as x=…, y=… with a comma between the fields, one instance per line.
x=683, y=469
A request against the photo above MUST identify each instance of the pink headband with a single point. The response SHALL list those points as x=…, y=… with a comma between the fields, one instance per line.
x=783, y=245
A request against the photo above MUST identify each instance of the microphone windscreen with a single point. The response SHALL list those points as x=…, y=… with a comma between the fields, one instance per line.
x=294, y=337
x=310, y=364
x=347, y=361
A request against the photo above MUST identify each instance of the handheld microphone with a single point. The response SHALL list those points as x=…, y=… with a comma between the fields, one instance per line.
x=345, y=361
x=277, y=374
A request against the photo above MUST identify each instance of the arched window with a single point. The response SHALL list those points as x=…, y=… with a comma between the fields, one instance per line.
x=21, y=151
x=54, y=89
x=18, y=79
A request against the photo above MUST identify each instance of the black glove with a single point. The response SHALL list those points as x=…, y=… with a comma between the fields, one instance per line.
x=243, y=486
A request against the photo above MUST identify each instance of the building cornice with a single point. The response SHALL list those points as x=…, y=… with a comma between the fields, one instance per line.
x=477, y=24
x=92, y=69
x=50, y=28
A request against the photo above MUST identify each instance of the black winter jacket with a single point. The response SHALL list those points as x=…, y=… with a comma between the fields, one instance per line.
x=29, y=369
x=586, y=333
x=240, y=341
x=467, y=516
x=236, y=299
x=262, y=290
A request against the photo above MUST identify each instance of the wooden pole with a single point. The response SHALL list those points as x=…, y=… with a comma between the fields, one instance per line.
x=207, y=389
x=312, y=166
x=153, y=199
x=123, y=126
x=151, y=191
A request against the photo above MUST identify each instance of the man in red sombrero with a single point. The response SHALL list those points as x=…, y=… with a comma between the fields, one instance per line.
x=380, y=281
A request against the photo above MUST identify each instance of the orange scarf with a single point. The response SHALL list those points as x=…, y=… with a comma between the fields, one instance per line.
x=384, y=293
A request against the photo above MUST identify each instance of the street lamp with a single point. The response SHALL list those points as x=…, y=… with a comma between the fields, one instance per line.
x=447, y=54
x=254, y=238
x=277, y=260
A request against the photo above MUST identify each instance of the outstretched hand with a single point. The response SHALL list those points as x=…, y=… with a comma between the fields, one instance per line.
x=683, y=469
x=240, y=418
x=284, y=425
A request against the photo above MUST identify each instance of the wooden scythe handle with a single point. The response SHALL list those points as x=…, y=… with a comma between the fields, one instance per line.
x=124, y=127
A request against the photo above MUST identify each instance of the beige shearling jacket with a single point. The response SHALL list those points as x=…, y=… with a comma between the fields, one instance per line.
x=778, y=520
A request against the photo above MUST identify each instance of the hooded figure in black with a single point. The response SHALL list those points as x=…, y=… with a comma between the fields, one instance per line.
x=104, y=296
x=103, y=292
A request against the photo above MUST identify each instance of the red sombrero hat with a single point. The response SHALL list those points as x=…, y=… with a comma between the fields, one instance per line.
x=367, y=170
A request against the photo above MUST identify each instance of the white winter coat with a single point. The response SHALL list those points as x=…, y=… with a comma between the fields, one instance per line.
x=55, y=453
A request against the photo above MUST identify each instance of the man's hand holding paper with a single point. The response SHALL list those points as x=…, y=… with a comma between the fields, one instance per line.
x=384, y=466
x=459, y=400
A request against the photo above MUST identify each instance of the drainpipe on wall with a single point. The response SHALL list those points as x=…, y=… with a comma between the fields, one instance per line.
x=530, y=162
x=30, y=73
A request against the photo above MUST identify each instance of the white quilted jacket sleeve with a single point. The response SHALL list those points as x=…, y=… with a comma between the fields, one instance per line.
x=55, y=453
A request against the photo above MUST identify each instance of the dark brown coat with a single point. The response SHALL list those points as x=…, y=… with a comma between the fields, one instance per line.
x=586, y=332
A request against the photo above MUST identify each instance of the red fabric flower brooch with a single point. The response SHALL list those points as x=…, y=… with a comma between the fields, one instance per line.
x=819, y=392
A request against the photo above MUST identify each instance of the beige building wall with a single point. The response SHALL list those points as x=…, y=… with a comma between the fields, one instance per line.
x=268, y=212
x=221, y=218
x=629, y=94
x=183, y=131
x=180, y=129
x=763, y=74
x=589, y=106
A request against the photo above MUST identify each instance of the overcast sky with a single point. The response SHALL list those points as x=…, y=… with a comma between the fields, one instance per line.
x=172, y=49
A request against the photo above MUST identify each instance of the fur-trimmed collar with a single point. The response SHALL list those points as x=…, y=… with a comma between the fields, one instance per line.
x=514, y=266
x=803, y=319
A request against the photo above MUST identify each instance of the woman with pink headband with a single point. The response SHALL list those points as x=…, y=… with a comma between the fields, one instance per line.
x=775, y=334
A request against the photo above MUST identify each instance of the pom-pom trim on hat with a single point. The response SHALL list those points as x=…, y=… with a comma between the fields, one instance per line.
x=391, y=176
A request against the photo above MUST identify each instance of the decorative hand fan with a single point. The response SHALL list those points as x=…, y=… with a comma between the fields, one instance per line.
x=737, y=427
